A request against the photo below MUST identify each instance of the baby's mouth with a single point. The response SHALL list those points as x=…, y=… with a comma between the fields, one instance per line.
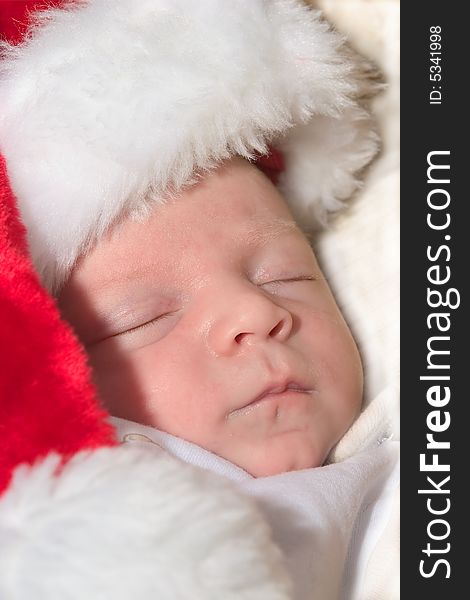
x=275, y=391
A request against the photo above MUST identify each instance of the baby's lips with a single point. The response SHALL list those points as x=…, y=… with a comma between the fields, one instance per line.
x=279, y=388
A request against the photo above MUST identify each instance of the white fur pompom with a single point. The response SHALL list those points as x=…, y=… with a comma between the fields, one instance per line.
x=126, y=523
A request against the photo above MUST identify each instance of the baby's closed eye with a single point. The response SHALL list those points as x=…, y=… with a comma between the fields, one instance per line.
x=139, y=327
x=292, y=279
x=300, y=287
x=158, y=320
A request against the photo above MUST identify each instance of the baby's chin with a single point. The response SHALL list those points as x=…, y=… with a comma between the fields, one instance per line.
x=281, y=455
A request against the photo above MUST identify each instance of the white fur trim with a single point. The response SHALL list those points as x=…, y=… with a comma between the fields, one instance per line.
x=322, y=160
x=131, y=522
x=111, y=102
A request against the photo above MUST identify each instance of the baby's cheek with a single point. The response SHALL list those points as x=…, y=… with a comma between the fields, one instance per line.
x=179, y=396
x=347, y=391
x=129, y=381
x=116, y=384
x=336, y=365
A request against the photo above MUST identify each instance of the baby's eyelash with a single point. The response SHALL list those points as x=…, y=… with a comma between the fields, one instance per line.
x=146, y=324
x=289, y=279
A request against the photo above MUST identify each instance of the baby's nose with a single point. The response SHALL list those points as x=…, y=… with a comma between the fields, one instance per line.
x=245, y=317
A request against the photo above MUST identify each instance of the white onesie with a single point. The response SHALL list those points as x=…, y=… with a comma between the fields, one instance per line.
x=326, y=520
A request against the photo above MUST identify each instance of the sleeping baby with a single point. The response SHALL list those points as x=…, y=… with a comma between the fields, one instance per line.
x=213, y=334
x=127, y=129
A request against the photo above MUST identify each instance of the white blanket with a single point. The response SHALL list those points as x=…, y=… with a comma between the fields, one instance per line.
x=327, y=521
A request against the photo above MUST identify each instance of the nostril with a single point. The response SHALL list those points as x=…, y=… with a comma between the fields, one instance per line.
x=276, y=329
x=274, y=332
x=239, y=337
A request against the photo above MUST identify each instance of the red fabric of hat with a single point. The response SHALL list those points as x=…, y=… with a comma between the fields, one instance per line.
x=47, y=402
x=15, y=17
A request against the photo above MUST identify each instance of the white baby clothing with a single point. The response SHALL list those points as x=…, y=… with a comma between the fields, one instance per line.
x=326, y=520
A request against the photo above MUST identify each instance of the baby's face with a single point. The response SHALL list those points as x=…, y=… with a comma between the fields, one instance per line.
x=211, y=321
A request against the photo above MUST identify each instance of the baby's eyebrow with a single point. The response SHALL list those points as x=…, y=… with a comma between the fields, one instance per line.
x=263, y=230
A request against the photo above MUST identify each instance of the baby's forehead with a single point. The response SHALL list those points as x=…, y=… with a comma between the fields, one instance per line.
x=262, y=228
x=169, y=222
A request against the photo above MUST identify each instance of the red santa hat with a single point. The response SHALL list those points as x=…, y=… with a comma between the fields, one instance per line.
x=108, y=106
